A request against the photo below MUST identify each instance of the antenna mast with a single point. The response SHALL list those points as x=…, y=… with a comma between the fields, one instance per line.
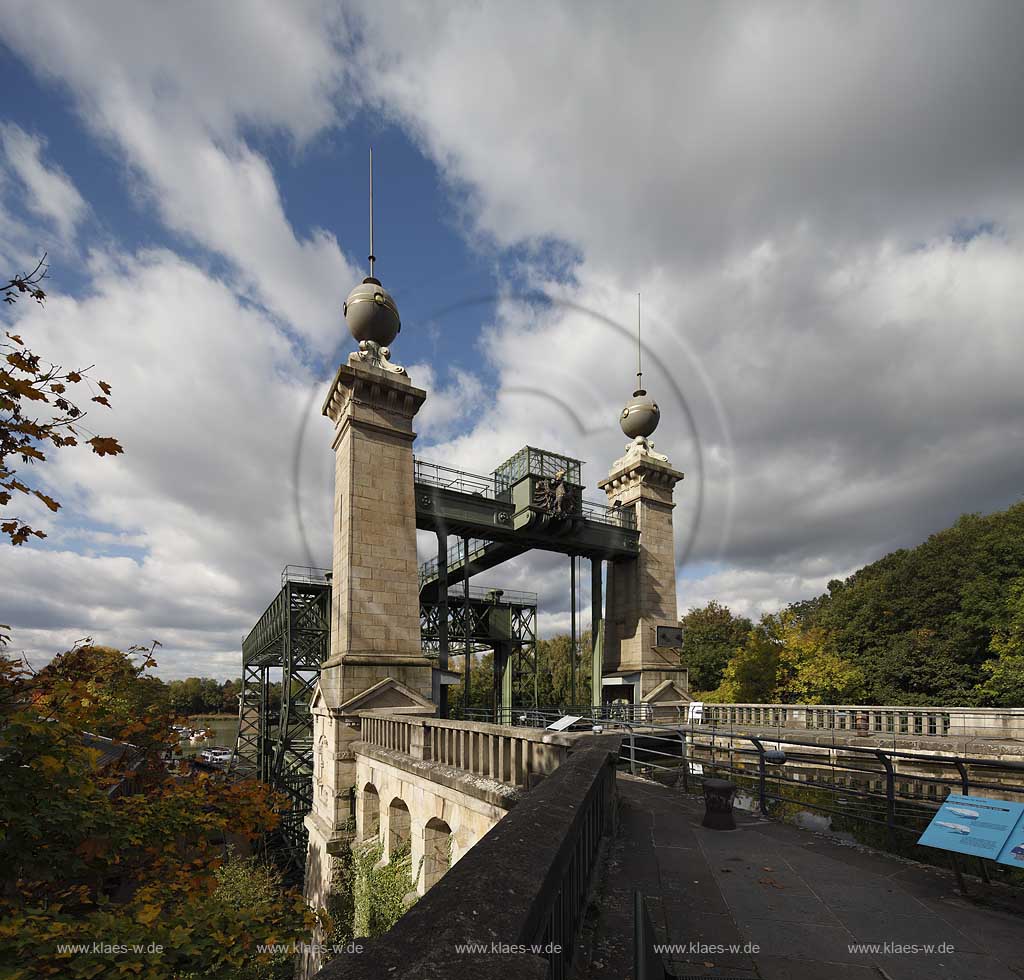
x=372, y=257
x=639, y=369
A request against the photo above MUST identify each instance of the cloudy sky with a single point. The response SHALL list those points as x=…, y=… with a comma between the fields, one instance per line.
x=820, y=203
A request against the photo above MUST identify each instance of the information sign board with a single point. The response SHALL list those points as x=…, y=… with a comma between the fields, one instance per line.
x=1013, y=850
x=973, y=825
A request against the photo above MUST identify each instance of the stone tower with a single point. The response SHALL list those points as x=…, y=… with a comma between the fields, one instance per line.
x=642, y=591
x=375, y=660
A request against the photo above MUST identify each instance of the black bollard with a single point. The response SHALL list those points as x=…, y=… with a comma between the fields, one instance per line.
x=718, y=797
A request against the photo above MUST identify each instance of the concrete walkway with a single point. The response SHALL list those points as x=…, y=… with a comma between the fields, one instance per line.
x=803, y=899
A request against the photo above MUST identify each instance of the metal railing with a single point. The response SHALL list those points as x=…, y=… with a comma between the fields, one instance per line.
x=615, y=516
x=447, y=478
x=304, y=573
x=429, y=568
x=486, y=593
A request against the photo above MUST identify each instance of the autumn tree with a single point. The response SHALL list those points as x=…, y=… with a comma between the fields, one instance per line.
x=40, y=410
x=85, y=857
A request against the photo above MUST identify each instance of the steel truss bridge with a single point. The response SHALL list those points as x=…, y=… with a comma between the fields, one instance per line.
x=533, y=501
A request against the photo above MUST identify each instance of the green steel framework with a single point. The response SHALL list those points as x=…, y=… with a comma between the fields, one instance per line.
x=292, y=636
x=500, y=620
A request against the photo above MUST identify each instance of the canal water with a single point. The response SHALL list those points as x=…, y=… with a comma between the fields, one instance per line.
x=224, y=730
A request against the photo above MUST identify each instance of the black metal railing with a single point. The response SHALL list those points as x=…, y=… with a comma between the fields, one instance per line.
x=429, y=568
x=895, y=791
x=304, y=573
x=624, y=517
x=447, y=478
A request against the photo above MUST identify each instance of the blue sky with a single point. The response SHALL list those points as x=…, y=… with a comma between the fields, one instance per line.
x=827, y=238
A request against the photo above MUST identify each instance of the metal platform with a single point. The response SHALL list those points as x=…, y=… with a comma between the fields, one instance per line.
x=482, y=509
x=532, y=501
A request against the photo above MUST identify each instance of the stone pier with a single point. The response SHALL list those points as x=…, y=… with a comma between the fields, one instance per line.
x=375, y=658
x=642, y=591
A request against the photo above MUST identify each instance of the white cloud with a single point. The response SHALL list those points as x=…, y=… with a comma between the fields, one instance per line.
x=174, y=89
x=790, y=190
x=836, y=363
x=208, y=397
x=48, y=191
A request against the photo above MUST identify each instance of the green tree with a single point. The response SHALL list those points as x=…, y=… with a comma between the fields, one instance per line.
x=1002, y=683
x=752, y=673
x=920, y=623
x=711, y=635
x=810, y=671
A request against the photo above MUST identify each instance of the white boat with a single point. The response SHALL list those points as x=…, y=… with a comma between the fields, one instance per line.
x=956, y=828
x=962, y=811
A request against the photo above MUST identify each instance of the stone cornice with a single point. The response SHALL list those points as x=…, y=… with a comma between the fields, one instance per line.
x=373, y=388
x=640, y=468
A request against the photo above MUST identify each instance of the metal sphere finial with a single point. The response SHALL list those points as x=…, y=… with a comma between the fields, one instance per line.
x=641, y=414
x=370, y=311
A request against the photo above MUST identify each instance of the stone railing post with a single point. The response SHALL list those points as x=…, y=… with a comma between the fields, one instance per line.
x=419, y=740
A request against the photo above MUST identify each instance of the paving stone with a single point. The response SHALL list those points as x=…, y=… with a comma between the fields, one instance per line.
x=957, y=966
x=786, y=968
x=811, y=940
x=871, y=925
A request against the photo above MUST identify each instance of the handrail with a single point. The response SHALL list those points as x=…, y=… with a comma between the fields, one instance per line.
x=447, y=478
x=429, y=568
x=624, y=517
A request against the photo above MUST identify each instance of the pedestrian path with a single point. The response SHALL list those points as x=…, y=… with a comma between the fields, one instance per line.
x=774, y=902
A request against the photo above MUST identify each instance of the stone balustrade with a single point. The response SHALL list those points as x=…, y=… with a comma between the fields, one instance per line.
x=516, y=757
x=874, y=719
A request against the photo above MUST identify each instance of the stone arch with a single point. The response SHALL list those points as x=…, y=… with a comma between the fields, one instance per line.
x=399, y=826
x=369, y=821
x=437, y=853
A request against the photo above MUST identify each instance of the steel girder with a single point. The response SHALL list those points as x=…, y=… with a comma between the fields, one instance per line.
x=509, y=628
x=293, y=634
